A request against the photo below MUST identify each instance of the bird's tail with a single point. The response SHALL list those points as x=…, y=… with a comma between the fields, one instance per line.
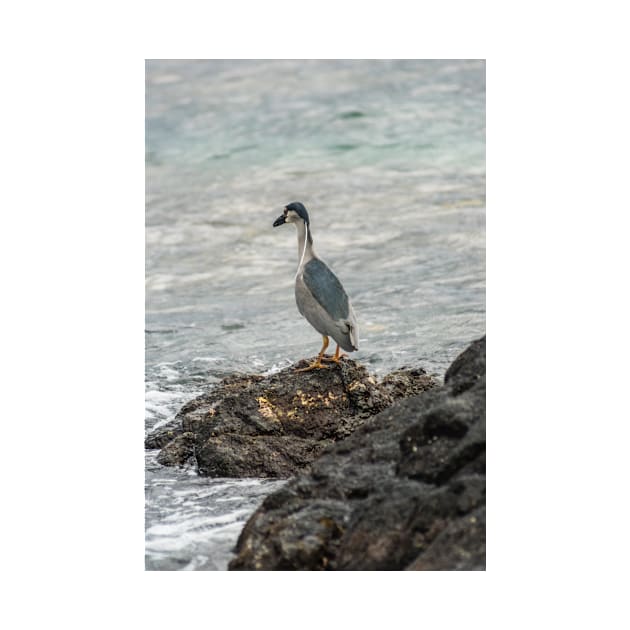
x=353, y=333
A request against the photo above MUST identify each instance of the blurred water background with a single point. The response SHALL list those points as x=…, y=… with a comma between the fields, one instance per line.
x=389, y=159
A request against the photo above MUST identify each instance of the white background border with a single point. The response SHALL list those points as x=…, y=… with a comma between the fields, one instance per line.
x=72, y=248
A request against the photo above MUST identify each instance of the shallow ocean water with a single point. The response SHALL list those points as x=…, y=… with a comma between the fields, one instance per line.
x=389, y=159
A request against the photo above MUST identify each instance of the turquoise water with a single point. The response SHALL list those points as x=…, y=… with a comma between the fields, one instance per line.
x=389, y=159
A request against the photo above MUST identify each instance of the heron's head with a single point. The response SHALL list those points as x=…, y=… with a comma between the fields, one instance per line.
x=293, y=213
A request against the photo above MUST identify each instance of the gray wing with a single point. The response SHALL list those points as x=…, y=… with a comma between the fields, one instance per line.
x=326, y=288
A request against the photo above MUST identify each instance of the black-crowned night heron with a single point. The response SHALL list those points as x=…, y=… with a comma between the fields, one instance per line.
x=318, y=293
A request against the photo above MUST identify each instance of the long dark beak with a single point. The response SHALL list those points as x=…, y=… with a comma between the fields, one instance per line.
x=279, y=221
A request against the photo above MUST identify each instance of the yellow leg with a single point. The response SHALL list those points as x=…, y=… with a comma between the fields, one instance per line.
x=336, y=358
x=317, y=364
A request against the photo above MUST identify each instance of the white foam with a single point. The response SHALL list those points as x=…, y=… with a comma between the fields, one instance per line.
x=277, y=367
x=157, y=396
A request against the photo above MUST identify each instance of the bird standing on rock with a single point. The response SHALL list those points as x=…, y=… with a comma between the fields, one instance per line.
x=319, y=295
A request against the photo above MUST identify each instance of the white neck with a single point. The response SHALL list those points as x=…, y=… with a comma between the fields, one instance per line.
x=304, y=255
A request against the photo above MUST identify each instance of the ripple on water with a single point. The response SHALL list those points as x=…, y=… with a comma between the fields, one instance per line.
x=192, y=522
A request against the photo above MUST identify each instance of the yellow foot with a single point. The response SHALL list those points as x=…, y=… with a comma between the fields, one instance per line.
x=316, y=365
x=335, y=358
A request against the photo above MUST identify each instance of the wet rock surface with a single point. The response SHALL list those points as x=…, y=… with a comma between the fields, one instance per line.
x=404, y=491
x=275, y=426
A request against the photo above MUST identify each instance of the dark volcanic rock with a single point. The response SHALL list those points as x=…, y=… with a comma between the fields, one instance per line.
x=165, y=434
x=180, y=450
x=274, y=426
x=405, y=491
